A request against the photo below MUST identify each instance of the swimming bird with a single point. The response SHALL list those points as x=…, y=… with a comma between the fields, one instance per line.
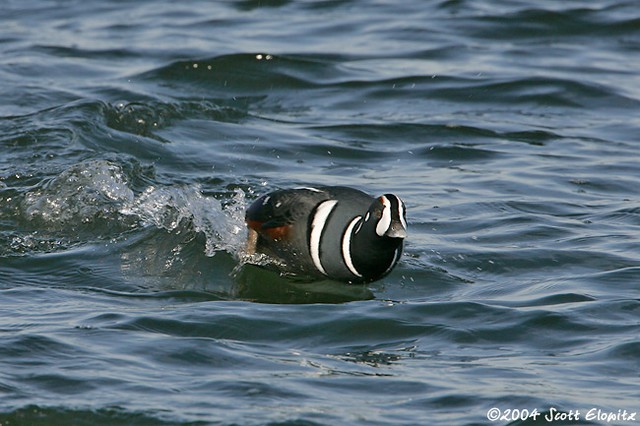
x=331, y=232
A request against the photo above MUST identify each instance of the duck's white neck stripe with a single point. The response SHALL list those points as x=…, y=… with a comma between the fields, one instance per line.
x=318, y=223
x=346, y=246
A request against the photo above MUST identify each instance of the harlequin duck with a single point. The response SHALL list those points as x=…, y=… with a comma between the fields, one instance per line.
x=328, y=232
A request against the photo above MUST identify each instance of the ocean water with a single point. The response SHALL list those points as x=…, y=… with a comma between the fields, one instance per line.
x=133, y=134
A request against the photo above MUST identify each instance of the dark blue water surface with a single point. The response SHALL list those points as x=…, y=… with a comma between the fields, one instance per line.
x=133, y=134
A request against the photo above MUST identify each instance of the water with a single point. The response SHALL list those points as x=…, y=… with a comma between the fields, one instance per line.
x=134, y=134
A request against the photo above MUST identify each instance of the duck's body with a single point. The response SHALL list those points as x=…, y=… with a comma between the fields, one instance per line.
x=330, y=232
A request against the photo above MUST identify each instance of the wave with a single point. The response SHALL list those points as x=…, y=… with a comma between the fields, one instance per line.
x=532, y=23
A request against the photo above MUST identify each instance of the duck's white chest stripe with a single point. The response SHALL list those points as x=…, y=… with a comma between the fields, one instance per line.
x=317, y=228
x=346, y=246
x=396, y=257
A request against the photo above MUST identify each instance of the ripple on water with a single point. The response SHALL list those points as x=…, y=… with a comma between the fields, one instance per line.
x=133, y=138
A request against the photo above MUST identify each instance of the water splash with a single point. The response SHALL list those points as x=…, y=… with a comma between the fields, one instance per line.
x=79, y=195
x=96, y=196
x=171, y=207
